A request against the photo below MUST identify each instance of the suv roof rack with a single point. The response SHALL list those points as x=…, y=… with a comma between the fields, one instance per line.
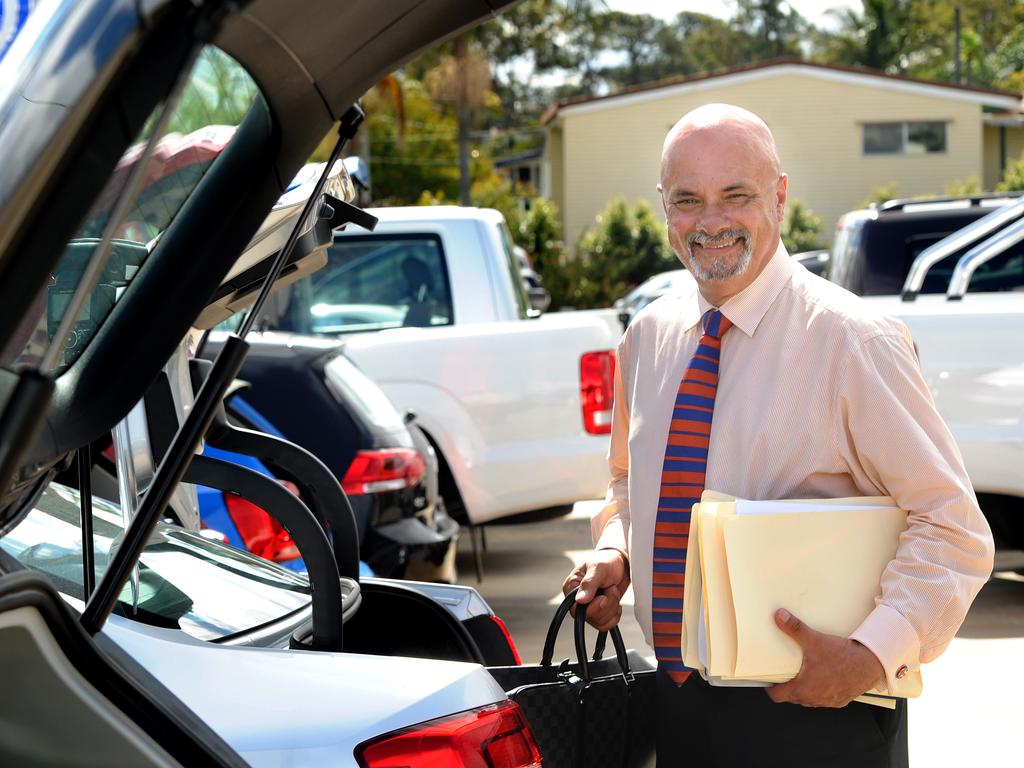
x=901, y=203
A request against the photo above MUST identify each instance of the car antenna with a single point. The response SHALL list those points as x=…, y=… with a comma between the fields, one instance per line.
x=179, y=453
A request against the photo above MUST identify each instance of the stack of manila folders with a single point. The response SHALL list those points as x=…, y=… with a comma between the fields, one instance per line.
x=821, y=559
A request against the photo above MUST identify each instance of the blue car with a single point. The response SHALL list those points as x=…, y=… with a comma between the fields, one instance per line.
x=243, y=524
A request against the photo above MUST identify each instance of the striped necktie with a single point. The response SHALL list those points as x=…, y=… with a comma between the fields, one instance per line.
x=682, y=482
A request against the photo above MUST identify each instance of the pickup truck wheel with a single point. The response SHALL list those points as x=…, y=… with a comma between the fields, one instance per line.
x=447, y=487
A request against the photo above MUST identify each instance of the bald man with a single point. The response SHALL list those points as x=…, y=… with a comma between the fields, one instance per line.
x=771, y=383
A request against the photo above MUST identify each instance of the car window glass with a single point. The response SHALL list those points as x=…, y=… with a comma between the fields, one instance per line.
x=358, y=388
x=371, y=283
x=218, y=95
x=203, y=588
x=522, y=300
x=1004, y=272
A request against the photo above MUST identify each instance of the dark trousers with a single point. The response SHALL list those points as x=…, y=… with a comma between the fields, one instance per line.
x=702, y=726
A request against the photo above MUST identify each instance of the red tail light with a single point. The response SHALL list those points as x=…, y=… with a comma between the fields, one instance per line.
x=597, y=376
x=508, y=638
x=490, y=737
x=391, y=469
x=262, y=534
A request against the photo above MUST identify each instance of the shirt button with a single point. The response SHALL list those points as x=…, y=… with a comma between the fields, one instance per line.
x=902, y=672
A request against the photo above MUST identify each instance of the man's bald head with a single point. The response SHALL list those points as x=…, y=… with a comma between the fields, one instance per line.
x=724, y=197
x=725, y=119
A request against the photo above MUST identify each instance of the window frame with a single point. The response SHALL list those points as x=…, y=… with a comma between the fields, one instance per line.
x=418, y=237
x=905, y=138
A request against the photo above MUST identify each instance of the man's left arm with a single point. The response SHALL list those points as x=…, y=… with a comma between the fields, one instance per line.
x=892, y=439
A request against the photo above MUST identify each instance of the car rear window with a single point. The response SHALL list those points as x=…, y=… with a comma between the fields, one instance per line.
x=217, y=96
x=187, y=582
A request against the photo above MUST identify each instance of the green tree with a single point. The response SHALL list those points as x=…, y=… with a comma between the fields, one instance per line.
x=463, y=81
x=801, y=229
x=772, y=30
x=425, y=158
x=219, y=92
x=877, y=36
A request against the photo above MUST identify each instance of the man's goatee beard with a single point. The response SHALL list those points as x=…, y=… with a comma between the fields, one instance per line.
x=718, y=269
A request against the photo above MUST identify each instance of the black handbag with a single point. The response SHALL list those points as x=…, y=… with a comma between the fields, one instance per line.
x=596, y=713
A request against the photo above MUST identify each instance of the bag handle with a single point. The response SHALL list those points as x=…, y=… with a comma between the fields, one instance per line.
x=579, y=638
x=549, y=640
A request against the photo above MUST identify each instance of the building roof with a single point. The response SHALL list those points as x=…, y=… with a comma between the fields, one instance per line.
x=831, y=72
x=519, y=158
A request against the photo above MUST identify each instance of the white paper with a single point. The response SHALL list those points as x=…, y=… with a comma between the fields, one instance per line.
x=702, y=635
x=747, y=507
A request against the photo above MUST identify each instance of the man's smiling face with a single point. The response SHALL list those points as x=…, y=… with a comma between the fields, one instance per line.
x=724, y=200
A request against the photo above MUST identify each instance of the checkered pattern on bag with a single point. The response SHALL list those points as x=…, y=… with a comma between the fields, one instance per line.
x=551, y=711
x=642, y=722
x=605, y=712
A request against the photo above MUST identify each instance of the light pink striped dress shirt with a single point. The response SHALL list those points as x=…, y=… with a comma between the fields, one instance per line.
x=818, y=398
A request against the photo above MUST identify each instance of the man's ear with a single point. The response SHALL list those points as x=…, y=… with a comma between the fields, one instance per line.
x=661, y=196
x=780, y=197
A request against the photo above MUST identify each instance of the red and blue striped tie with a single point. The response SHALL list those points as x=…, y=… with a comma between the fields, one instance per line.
x=682, y=482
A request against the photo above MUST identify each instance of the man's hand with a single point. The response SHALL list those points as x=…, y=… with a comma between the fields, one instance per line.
x=835, y=670
x=603, y=569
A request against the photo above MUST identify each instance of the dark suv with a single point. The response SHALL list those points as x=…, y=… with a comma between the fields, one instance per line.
x=875, y=247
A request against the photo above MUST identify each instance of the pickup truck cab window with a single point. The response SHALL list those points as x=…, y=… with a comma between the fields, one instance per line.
x=373, y=283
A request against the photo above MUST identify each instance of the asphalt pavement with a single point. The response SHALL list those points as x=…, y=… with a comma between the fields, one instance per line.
x=972, y=708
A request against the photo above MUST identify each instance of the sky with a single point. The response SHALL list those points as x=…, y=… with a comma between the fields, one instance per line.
x=812, y=10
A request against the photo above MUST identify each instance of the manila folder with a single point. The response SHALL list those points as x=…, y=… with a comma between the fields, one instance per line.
x=823, y=566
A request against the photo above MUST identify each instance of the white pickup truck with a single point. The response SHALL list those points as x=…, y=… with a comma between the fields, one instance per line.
x=953, y=271
x=430, y=304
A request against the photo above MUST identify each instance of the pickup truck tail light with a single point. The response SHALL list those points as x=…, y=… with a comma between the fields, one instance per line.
x=390, y=469
x=489, y=737
x=597, y=386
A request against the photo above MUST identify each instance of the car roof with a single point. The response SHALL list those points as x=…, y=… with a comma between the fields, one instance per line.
x=436, y=213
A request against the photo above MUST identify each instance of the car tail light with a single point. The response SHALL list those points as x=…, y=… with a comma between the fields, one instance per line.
x=390, y=469
x=489, y=737
x=508, y=638
x=262, y=534
x=597, y=374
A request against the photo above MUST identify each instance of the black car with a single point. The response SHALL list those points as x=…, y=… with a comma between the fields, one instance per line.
x=320, y=400
x=875, y=247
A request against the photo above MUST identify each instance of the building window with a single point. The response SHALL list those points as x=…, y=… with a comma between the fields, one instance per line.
x=904, y=138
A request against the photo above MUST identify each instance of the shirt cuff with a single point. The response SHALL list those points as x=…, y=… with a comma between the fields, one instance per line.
x=613, y=536
x=888, y=635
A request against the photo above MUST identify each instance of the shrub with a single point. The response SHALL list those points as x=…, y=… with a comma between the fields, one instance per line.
x=968, y=186
x=1013, y=177
x=881, y=194
x=801, y=229
x=622, y=249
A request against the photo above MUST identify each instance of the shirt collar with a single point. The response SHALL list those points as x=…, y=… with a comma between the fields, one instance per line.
x=748, y=307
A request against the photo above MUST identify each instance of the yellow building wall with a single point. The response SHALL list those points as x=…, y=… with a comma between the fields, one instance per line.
x=553, y=173
x=1014, y=152
x=616, y=151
